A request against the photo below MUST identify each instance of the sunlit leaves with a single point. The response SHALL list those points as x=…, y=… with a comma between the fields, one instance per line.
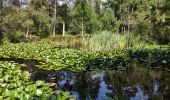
x=15, y=84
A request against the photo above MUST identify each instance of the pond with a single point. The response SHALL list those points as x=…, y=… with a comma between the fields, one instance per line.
x=133, y=83
x=136, y=83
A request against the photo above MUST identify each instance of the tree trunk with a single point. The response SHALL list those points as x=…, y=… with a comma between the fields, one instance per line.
x=54, y=18
x=129, y=17
x=28, y=29
x=82, y=28
x=63, y=28
x=124, y=29
x=128, y=24
x=1, y=6
x=53, y=30
x=157, y=11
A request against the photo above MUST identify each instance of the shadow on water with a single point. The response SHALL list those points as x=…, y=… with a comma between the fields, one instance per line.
x=27, y=62
x=134, y=83
x=30, y=64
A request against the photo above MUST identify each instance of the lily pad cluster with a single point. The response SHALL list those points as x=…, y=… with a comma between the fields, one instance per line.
x=155, y=58
x=54, y=58
x=15, y=84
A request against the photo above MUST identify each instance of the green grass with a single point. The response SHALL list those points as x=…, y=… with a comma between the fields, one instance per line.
x=67, y=41
x=101, y=41
x=107, y=41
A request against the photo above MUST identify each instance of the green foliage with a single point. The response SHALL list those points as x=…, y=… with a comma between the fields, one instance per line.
x=41, y=25
x=153, y=56
x=58, y=59
x=28, y=23
x=74, y=60
x=148, y=19
x=11, y=24
x=143, y=29
x=108, y=41
x=158, y=15
x=104, y=41
x=16, y=36
x=109, y=21
x=83, y=13
x=4, y=41
x=15, y=84
x=70, y=41
x=90, y=20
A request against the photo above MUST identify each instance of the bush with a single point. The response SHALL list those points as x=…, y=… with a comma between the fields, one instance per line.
x=4, y=41
x=16, y=37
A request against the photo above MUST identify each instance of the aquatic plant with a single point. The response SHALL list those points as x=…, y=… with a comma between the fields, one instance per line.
x=108, y=41
x=78, y=60
x=16, y=84
x=153, y=57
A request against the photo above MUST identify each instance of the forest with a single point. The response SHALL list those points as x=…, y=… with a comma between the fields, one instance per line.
x=84, y=49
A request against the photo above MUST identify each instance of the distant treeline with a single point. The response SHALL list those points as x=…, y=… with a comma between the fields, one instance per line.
x=150, y=19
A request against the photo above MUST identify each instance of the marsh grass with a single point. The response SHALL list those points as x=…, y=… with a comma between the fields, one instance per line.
x=71, y=41
x=107, y=41
x=101, y=41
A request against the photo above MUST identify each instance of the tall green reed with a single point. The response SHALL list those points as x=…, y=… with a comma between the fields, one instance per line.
x=107, y=41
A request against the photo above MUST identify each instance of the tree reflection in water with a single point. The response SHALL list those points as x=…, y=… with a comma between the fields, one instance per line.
x=136, y=83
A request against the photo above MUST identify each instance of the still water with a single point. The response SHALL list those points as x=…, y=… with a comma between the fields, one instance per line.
x=136, y=83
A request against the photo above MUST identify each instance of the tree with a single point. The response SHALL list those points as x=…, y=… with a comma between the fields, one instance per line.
x=150, y=19
x=109, y=21
x=97, y=6
x=91, y=22
x=63, y=12
x=39, y=12
x=159, y=18
x=1, y=16
x=83, y=18
x=54, y=17
x=77, y=17
x=27, y=24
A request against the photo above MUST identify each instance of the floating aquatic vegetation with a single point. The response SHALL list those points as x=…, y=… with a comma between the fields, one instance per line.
x=15, y=84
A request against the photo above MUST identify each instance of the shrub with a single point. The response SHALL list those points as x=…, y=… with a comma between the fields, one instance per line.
x=16, y=37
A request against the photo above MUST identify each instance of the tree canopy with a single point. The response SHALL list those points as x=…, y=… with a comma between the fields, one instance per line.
x=150, y=19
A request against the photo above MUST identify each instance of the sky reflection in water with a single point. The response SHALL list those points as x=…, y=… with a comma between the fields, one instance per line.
x=136, y=84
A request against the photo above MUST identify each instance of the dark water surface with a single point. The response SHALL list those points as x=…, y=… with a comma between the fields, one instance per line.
x=137, y=83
